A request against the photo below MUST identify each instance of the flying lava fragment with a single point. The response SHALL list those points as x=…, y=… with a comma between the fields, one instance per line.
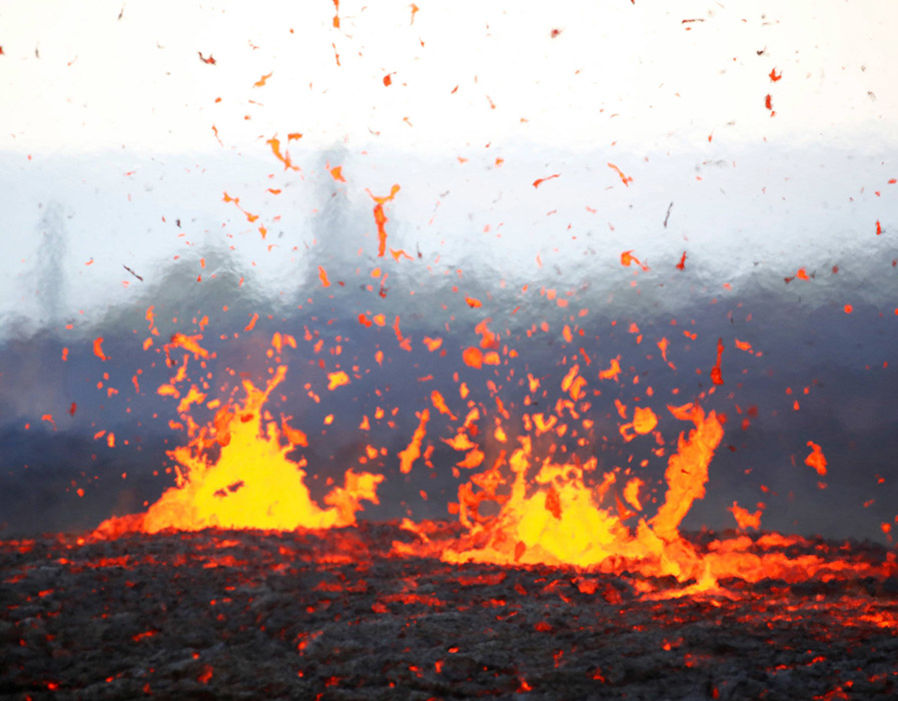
x=540, y=181
x=644, y=421
x=682, y=264
x=408, y=456
x=716, y=376
x=473, y=357
x=381, y=219
x=261, y=81
x=625, y=179
x=284, y=157
x=627, y=258
x=745, y=518
x=816, y=459
x=612, y=372
x=98, y=349
x=337, y=379
x=188, y=343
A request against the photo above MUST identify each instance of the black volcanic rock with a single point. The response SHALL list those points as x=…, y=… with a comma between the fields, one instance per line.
x=225, y=614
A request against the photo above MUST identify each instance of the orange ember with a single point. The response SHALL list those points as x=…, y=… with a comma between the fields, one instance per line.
x=716, y=375
x=745, y=518
x=816, y=459
x=540, y=181
x=98, y=348
x=380, y=218
x=625, y=179
x=627, y=258
x=284, y=157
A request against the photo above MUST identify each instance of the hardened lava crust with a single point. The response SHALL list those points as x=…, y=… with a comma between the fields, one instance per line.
x=332, y=615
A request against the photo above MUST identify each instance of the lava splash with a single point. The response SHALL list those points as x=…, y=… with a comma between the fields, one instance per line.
x=251, y=484
x=561, y=522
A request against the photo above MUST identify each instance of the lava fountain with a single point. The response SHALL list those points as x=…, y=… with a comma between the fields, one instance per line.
x=251, y=483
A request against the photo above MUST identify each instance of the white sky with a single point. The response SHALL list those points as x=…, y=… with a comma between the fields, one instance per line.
x=635, y=74
x=620, y=78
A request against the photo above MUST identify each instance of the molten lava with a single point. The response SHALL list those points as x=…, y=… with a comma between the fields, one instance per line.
x=554, y=518
x=538, y=503
x=251, y=484
x=520, y=510
x=549, y=514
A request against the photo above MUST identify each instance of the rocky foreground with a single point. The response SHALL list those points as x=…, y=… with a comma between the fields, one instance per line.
x=227, y=614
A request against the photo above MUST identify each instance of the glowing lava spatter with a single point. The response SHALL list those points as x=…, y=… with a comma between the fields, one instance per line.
x=522, y=507
x=251, y=484
x=553, y=517
x=549, y=514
